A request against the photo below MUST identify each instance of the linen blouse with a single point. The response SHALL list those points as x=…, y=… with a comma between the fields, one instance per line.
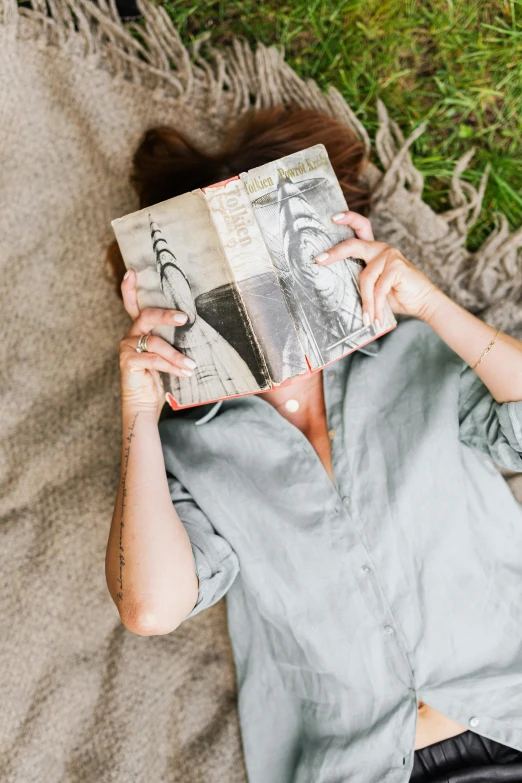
x=347, y=604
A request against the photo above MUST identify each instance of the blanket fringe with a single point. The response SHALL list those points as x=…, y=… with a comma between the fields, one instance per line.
x=151, y=53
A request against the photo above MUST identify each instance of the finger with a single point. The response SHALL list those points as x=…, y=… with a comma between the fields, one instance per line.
x=151, y=361
x=352, y=248
x=128, y=292
x=161, y=347
x=146, y=360
x=385, y=283
x=155, y=316
x=360, y=224
x=367, y=281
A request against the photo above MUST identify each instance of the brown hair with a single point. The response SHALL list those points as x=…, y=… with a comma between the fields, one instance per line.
x=166, y=164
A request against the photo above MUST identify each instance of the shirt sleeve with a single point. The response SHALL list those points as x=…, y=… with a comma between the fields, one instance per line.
x=215, y=562
x=494, y=428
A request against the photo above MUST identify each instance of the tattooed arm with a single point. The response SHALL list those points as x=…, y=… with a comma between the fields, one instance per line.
x=149, y=564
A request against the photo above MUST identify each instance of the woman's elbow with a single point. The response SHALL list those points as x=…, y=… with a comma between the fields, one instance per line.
x=155, y=616
x=146, y=618
x=150, y=623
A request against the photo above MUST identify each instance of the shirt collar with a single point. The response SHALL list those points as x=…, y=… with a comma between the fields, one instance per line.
x=371, y=349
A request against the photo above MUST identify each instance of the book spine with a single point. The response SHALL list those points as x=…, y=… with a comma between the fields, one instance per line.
x=255, y=277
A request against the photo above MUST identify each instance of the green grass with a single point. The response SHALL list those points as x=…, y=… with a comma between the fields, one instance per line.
x=456, y=63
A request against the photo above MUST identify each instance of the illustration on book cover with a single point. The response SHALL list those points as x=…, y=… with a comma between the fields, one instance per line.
x=179, y=262
x=293, y=200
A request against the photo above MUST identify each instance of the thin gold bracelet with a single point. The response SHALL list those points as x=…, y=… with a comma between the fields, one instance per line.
x=487, y=350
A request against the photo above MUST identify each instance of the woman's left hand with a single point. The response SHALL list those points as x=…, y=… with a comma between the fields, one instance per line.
x=388, y=274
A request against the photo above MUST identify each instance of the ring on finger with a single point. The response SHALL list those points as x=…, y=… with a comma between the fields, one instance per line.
x=142, y=343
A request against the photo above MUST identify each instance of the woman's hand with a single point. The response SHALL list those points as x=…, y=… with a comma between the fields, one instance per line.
x=140, y=382
x=388, y=274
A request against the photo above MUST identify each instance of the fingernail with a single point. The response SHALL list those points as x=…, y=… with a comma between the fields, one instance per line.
x=189, y=362
x=321, y=257
x=378, y=325
x=339, y=216
x=179, y=318
x=188, y=373
x=127, y=273
x=366, y=319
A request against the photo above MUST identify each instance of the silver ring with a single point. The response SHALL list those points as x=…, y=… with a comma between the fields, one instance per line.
x=142, y=343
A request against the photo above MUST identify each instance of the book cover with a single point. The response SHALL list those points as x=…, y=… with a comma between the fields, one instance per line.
x=180, y=264
x=294, y=199
x=238, y=258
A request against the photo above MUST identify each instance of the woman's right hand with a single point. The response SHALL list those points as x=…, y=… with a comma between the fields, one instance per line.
x=139, y=372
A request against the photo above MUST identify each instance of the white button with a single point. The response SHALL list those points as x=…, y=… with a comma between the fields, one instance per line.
x=474, y=722
x=389, y=630
x=331, y=375
x=346, y=498
x=292, y=406
x=366, y=570
x=331, y=434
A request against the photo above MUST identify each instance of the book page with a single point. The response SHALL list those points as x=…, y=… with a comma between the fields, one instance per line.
x=294, y=199
x=256, y=279
x=179, y=262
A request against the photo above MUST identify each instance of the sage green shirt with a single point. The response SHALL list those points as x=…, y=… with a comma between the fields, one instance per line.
x=348, y=603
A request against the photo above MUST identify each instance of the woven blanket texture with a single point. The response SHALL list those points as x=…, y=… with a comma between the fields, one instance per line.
x=83, y=699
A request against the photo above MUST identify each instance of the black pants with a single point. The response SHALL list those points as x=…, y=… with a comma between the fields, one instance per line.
x=128, y=10
x=467, y=758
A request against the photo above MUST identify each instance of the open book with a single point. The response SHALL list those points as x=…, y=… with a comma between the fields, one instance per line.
x=238, y=258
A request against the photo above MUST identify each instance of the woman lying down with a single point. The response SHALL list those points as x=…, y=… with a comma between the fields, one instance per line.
x=356, y=519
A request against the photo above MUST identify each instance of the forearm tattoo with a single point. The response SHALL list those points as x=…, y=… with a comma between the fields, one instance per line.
x=126, y=455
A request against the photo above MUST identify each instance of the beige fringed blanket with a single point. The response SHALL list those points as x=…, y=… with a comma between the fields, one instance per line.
x=83, y=699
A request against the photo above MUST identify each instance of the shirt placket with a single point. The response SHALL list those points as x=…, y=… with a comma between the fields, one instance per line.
x=366, y=575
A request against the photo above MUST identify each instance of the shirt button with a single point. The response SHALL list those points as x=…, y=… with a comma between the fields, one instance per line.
x=390, y=630
x=474, y=722
x=331, y=434
x=331, y=375
x=367, y=570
